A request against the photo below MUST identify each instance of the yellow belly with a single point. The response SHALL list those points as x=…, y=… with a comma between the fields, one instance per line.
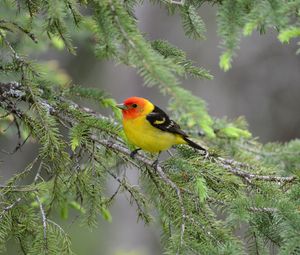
x=143, y=135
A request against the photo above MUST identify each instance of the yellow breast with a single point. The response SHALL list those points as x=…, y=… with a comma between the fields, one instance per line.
x=143, y=135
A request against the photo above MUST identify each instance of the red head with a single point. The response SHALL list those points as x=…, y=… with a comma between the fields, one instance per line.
x=133, y=107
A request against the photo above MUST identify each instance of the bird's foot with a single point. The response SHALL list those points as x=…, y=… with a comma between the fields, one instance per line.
x=206, y=154
x=155, y=164
x=133, y=153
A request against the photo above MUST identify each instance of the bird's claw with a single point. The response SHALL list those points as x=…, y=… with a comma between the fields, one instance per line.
x=155, y=164
x=206, y=154
x=133, y=153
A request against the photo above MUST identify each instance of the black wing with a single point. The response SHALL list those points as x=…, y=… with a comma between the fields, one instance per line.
x=159, y=119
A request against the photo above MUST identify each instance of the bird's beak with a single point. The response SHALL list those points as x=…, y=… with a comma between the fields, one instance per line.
x=122, y=106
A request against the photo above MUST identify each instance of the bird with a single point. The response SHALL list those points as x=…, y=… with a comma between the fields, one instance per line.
x=149, y=128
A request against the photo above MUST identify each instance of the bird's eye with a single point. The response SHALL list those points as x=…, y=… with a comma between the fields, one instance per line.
x=134, y=105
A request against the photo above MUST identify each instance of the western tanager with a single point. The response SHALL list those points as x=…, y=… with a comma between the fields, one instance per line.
x=150, y=128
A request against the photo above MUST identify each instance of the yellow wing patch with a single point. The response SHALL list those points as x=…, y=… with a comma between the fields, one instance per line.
x=159, y=121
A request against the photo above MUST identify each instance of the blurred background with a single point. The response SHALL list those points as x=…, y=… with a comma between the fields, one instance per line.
x=263, y=86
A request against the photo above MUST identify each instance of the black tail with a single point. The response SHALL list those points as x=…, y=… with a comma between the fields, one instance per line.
x=194, y=145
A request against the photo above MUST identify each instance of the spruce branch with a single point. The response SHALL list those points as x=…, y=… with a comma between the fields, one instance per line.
x=188, y=191
x=14, y=90
x=183, y=197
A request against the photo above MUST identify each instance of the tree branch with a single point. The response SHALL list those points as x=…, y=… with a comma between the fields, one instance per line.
x=14, y=90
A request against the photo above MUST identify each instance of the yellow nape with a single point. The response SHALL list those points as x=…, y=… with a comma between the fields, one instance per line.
x=143, y=135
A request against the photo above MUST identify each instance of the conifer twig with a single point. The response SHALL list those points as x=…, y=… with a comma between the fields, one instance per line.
x=57, y=225
x=125, y=186
x=38, y=172
x=233, y=167
x=18, y=188
x=120, y=148
x=15, y=54
x=180, y=2
x=7, y=208
x=44, y=219
x=22, y=29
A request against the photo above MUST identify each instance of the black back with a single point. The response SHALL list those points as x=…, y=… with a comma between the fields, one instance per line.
x=159, y=119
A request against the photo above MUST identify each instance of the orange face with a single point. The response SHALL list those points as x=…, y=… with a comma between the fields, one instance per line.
x=134, y=107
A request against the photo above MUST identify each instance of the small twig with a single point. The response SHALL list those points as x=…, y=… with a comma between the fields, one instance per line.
x=251, y=208
x=263, y=209
x=38, y=173
x=111, y=198
x=44, y=219
x=5, y=115
x=156, y=183
x=20, y=62
x=181, y=2
x=7, y=208
x=207, y=232
x=8, y=127
x=76, y=20
x=223, y=203
x=29, y=3
x=18, y=188
x=15, y=54
x=262, y=153
x=18, y=129
x=93, y=161
x=25, y=31
x=22, y=245
x=233, y=167
x=125, y=186
x=58, y=226
x=159, y=170
x=19, y=145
